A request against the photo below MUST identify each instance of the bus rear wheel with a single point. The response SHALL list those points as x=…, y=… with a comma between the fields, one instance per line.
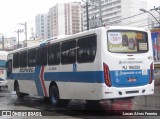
x=19, y=94
x=54, y=97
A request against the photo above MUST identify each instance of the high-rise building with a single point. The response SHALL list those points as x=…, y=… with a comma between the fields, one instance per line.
x=65, y=19
x=115, y=12
x=42, y=24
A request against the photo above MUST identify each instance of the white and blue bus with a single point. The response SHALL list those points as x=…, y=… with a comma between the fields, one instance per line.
x=99, y=64
x=3, y=70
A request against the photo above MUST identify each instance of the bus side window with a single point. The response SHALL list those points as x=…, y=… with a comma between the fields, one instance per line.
x=9, y=67
x=86, y=49
x=68, y=52
x=16, y=60
x=32, y=58
x=54, y=54
x=23, y=59
x=42, y=56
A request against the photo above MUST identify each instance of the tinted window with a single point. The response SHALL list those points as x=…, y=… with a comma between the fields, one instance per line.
x=54, y=54
x=16, y=60
x=9, y=65
x=86, y=49
x=32, y=58
x=42, y=56
x=23, y=59
x=68, y=53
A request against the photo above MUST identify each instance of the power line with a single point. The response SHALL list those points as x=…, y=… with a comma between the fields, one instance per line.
x=149, y=24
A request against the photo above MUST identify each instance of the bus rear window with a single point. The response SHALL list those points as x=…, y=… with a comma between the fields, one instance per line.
x=124, y=41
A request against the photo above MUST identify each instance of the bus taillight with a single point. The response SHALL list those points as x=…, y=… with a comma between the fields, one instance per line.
x=151, y=74
x=107, y=75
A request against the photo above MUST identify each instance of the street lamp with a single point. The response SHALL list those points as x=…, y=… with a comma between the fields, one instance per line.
x=145, y=11
x=156, y=9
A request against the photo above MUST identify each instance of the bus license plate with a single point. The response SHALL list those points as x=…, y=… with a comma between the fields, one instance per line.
x=132, y=80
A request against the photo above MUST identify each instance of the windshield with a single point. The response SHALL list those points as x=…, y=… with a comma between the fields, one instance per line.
x=3, y=63
x=125, y=41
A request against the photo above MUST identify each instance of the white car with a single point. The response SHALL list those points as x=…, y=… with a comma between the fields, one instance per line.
x=3, y=83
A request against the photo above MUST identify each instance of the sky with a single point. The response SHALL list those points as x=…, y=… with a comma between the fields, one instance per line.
x=13, y=12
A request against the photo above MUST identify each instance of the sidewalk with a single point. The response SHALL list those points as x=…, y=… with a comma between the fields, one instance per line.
x=151, y=101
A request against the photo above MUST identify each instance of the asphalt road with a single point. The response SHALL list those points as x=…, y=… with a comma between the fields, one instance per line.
x=33, y=107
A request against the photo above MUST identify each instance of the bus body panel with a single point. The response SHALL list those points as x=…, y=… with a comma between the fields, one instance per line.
x=128, y=73
x=128, y=69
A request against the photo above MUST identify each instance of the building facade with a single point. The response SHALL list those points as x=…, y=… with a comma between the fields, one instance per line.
x=115, y=12
x=65, y=19
x=8, y=43
x=42, y=25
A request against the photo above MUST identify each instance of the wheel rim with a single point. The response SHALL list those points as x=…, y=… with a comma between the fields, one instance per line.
x=17, y=89
x=54, y=96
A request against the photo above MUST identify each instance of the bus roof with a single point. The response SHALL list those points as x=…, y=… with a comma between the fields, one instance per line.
x=80, y=34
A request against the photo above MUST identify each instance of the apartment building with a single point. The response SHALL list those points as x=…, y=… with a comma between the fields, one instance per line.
x=65, y=19
x=8, y=43
x=115, y=12
x=42, y=25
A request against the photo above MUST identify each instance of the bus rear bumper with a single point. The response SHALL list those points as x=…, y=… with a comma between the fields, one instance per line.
x=114, y=92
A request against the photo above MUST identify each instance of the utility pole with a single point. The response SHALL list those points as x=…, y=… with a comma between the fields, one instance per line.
x=98, y=3
x=87, y=15
x=25, y=28
x=100, y=11
x=3, y=42
x=87, y=5
x=25, y=25
x=19, y=31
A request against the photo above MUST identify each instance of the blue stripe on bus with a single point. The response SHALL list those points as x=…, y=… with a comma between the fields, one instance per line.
x=86, y=77
x=117, y=79
x=121, y=78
